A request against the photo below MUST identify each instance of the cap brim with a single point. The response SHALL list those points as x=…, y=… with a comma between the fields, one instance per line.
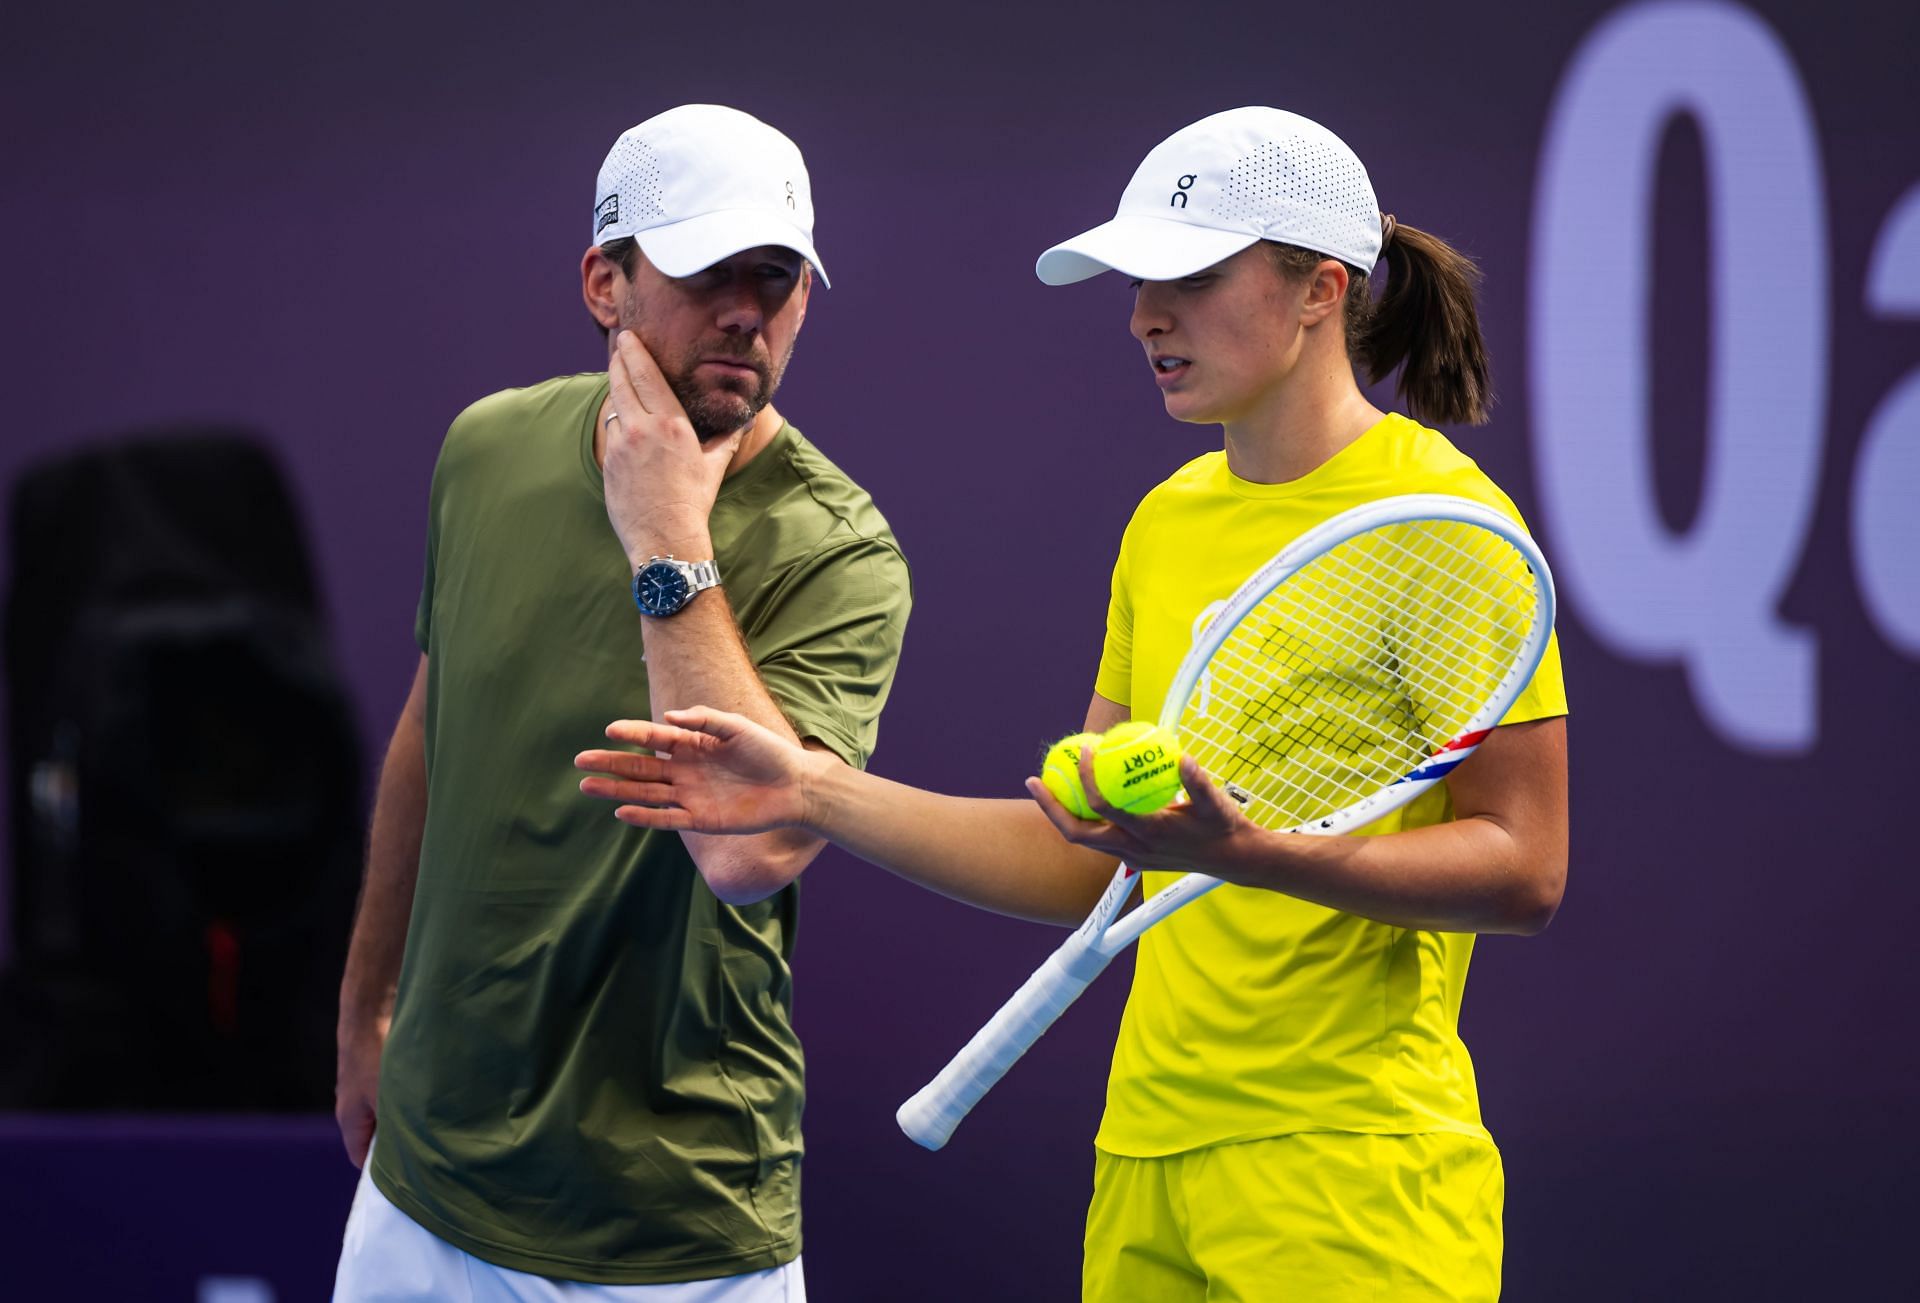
x=1145, y=248
x=683, y=248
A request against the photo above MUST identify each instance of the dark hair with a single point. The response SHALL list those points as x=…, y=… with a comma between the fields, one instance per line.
x=623, y=251
x=1424, y=323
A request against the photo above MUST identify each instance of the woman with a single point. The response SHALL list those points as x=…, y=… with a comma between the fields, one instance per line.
x=1291, y=1111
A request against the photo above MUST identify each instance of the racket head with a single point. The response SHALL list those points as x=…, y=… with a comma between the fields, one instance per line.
x=1365, y=661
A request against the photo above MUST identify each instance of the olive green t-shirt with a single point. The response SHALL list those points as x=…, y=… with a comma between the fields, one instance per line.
x=591, y=1072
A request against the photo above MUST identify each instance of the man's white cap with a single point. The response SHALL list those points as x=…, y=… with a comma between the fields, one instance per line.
x=1221, y=185
x=701, y=183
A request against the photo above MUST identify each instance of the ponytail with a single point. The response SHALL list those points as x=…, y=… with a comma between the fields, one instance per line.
x=1424, y=323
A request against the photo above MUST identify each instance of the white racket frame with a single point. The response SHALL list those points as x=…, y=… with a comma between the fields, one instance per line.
x=930, y=1116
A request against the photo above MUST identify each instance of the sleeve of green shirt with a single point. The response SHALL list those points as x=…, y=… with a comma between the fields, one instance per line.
x=828, y=650
x=423, y=613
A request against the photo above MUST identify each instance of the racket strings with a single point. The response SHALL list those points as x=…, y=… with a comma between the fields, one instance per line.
x=1359, y=667
x=1449, y=654
x=1328, y=760
x=1443, y=665
x=1423, y=641
x=1318, y=759
x=1456, y=626
x=1422, y=628
x=1440, y=658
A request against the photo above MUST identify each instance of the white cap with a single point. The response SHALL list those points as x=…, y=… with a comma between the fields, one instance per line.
x=1221, y=185
x=701, y=183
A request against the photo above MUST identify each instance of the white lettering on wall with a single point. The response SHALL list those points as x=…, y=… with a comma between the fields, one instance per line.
x=1708, y=597
x=234, y=1289
x=1886, y=478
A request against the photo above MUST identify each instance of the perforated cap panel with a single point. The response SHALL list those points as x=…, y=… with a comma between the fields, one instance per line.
x=629, y=192
x=1312, y=188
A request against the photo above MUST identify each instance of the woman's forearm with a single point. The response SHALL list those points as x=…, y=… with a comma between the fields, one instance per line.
x=1470, y=875
x=1001, y=855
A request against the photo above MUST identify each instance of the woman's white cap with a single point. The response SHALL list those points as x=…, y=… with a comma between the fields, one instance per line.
x=701, y=183
x=1221, y=185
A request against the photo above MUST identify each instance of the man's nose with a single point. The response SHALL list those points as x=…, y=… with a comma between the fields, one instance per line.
x=740, y=310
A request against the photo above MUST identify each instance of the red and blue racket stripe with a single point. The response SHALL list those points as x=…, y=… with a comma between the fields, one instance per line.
x=1443, y=761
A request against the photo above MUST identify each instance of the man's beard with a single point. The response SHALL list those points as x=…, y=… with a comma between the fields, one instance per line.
x=715, y=411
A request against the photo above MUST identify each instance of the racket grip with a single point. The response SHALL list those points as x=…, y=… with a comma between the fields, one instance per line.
x=930, y=1117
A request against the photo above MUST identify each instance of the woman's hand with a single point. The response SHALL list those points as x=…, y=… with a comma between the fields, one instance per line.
x=1206, y=833
x=713, y=772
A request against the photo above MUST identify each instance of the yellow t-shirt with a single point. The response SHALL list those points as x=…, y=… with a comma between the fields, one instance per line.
x=1252, y=1013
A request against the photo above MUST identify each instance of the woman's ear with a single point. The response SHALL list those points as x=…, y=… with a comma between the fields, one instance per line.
x=1325, y=290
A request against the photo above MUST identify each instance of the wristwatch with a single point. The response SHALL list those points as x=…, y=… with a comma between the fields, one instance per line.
x=663, y=585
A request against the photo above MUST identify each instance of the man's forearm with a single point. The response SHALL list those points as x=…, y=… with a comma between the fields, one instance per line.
x=380, y=925
x=698, y=657
x=393, y=866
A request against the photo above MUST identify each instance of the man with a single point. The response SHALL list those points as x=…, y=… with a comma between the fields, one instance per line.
x=567, y=1042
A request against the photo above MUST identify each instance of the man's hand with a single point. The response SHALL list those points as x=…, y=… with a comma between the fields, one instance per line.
x=661, y=480
x=719, y=773
x=356, y=1086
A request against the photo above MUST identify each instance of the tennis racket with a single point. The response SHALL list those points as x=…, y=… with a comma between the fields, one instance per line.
x=1353, y=671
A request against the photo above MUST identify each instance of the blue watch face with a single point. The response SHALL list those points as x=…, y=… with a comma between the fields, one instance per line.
x=660, y=589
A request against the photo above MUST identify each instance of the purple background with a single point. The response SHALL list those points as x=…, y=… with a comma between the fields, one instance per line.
x=343, y=225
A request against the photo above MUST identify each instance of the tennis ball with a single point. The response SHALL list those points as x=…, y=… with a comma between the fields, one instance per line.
x=1061, y=774
x=1136, y=766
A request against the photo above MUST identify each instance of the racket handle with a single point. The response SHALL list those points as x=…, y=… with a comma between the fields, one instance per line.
x=939, y=1106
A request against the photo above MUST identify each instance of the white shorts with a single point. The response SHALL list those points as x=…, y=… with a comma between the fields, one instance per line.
x=387, y=1257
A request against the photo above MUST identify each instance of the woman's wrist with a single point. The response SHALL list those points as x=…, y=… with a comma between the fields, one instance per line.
x=817, y=775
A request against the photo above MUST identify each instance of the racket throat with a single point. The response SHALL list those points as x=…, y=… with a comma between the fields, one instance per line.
x=1081, y=960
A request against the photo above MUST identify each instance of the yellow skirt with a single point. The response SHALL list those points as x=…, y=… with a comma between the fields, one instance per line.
x=1313, y=1216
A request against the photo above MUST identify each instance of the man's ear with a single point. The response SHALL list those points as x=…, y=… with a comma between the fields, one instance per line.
x=1326, y=287
x=601, y=281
